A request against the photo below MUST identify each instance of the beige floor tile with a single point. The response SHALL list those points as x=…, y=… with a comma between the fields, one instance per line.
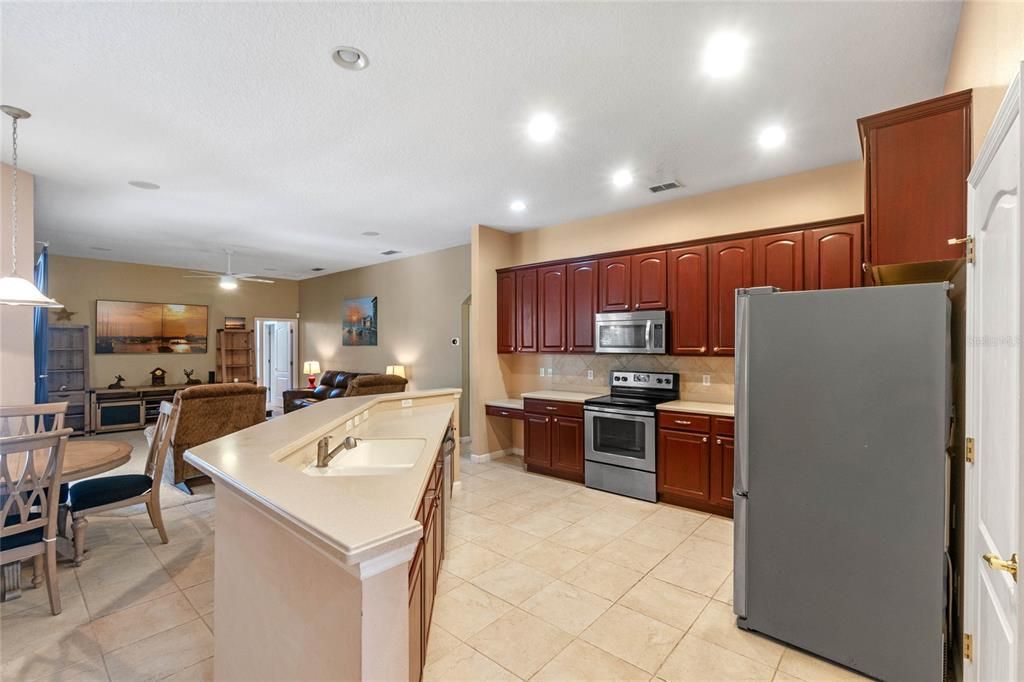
x=631, y=554
x=36, y=643
x=810, y=668
x=162, y=654
x=584, y=662
x=447, y=581
x=607, y=522
x=594, y=497
x=190, y=570
x=700, y=577
x=110, y=564
x=507, y=541
x=603, y=578
x=169, y=514
x=571, y=510
x=551, y=558
x=582, y=539
x=471, y=501
x=503, y=512
x=665, y=602
x=783, y=677
x=532, y=499
x=182, y=547
x=637, y=510
x=717, y=624
x=105, y=599
x=566, y=606
x=633, y=637
x=208, y=619
x=725, y=592
x=520, y=642
x=705, y=551
x=541, y=524
x=501, y=474
x=698, y=660
x=467, y=609
x=439, y=643
x=34, y=598
x=464, y=664
x=470, y=560
x=716, y=528
x=90, y=670
x=201, y=597
x=142, y=620
x=187, y=529
x=198, y=672
x=512, y=581
x=652, y=535
x=109, y=530
x=682, y=520
x=471, y=526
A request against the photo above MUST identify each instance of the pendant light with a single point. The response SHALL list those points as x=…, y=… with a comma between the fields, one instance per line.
x=16, y=290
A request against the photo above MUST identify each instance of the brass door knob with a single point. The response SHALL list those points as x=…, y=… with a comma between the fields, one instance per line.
x=997, y=562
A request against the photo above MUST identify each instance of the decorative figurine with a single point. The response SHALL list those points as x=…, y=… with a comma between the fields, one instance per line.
x=64, y=315
x=119, y=383
x=189, y=381
x=158, y=375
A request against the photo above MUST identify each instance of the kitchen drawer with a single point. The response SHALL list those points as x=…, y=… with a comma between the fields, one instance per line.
x=723, y=426
x=555, y=407
x=508, y=413
x=682, y=421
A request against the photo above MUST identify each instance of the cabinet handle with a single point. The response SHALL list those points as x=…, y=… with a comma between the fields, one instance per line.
x=503, y=414
x=718, y=441
x=704, y=439
x=715, y=349
x=548, y=407
x=684, y=422
x=555, y=420
x=703, y=349
x=863, y=267
x=546, y=420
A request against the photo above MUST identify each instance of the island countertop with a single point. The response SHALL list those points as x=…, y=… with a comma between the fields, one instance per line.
x=357, y=518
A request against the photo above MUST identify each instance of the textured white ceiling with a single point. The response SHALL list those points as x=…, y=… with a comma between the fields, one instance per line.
x=263, y=145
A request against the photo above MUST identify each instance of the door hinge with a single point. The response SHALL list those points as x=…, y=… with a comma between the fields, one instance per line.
x=968, y=243
x=968, y=647
x=970, y=451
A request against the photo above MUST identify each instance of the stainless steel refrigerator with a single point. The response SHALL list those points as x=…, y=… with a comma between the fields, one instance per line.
x=843, y=421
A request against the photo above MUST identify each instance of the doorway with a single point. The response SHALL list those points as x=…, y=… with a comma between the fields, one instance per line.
x=276, y=357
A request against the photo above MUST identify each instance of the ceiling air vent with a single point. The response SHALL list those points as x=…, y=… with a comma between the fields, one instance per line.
x=664, y=187
x=389, y=252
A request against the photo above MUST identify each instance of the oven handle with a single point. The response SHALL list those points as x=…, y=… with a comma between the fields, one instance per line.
x=612, y=410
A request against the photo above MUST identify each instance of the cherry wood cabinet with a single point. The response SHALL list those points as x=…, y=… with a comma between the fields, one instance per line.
x=648, y=274
x=688, y=300
x=567, y=445
x=779, y=261
x=417, y=637
x=537, y=440
x=731, y=268
x=553, y=441
x=507, y=312
x=551, y=309
x=581, y=304
x=832, y=257
x=683, y=465
x=615, y=284
x=425, y=568
x=917, y=161
x=722, y=462
x=526, y=311
x=695, y=461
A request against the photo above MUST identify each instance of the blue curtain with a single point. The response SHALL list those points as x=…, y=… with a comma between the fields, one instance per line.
x=41, y=329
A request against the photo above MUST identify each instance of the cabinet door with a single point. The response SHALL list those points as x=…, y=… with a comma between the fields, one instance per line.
x=683, y=461
x=722, y=460
x=537, y=440
x=430, y=568
x=833, y=257
x=506, y=312
x=688, y=300
x=526, y=311
x=567, y=445
x=581, y=304
x=779, y=261
x=731, y=269
x=417, y=639
x=649, y=281
x=551, y=309
x=615, y=285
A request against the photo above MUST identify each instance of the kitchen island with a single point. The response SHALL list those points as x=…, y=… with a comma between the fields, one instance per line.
x=312, y=574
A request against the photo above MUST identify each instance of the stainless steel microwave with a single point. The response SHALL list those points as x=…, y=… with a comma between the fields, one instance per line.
x=636, y=332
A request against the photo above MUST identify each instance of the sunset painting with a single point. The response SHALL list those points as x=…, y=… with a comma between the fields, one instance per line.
x=359, y=322
x=126, y=327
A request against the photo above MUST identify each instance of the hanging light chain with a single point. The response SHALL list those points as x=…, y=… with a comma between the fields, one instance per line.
x=14, y=195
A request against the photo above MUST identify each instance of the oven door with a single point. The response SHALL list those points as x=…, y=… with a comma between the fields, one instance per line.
x=620, y=438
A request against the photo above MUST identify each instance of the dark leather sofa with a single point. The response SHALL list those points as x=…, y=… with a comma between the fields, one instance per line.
x=341, y=384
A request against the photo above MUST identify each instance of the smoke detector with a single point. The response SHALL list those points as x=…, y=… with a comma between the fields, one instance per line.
x=665, y=186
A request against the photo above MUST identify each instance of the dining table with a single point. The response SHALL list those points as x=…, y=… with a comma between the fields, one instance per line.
x=82, y=459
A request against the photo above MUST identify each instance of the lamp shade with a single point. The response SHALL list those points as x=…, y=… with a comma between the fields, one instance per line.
x=19, y=291
x=311, y=367
x=397, y=370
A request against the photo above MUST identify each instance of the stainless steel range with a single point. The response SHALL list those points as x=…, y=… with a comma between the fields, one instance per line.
x=621, y=432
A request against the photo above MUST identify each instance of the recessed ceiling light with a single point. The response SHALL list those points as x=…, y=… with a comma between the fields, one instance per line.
x=351, y=58
x=99, y=248
x=771, y=137
x=725, y=54
x=317, y=269
x=622, y=178
x=517, y=206
x=542, y=127
x=389, y=252
x=371, y=233
x=142, y=184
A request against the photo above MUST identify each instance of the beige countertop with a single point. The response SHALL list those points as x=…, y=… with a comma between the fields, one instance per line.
x=715, y=409
x=356, y=517
x=506, y=403
x=565, y=396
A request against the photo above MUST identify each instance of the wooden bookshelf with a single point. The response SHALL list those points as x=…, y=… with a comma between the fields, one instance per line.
x=236, y=356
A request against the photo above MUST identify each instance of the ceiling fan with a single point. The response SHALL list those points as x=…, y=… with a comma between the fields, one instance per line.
x=229, y=279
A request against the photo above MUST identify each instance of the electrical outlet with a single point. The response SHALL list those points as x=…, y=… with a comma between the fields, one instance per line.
x=407, y=403
x=542, y=371
x=590, y=374
x=706, y=379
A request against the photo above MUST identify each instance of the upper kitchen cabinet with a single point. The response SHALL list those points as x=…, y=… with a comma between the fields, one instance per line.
x=833, y=256
x=688, y=300
x=779, y=261
x=526, y=311
x=581, y=305
x=731, y=267
x=615, y=284
x=917, y=159
x=507, y=312
x=649, y=281
x=551, y=309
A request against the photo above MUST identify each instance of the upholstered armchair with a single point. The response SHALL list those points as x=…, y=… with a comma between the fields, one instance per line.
x=340, y=384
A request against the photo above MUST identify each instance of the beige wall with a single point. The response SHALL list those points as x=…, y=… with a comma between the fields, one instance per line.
x=17, y=363
x=79, y=282
x=987, y=54
x=420, y=309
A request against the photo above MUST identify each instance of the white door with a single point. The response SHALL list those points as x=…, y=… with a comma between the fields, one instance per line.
x=278, y=358
x=993, y=610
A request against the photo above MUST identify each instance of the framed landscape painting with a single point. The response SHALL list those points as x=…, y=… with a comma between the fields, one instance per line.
x=130, y=327
x=359, y=322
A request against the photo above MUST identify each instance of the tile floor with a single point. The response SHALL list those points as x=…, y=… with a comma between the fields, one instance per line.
x=543, y=580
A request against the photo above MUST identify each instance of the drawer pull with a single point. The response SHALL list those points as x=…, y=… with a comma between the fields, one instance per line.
x=718, y=441
x=548, y=407
x=684, y=422
x=704, y=439
x=504, y=414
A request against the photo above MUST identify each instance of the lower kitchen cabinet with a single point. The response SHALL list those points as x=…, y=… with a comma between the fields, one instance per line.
x=722, y=459
x=553, y=438
x=425, y=568
x=683, y=465
x=695, y=461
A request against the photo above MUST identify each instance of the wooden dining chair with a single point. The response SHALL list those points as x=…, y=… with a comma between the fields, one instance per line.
x=95, y=495
x=30, y=468
x=18, y=420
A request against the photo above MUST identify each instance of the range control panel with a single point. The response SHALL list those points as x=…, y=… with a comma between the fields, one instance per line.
x=644, y=379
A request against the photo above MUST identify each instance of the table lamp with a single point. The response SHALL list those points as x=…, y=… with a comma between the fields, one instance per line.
x=312, y=368
x=397, y=370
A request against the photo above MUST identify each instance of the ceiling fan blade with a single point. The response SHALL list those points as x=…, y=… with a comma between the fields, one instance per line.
x=201, y=276
x=206, y=272
x=256, y=279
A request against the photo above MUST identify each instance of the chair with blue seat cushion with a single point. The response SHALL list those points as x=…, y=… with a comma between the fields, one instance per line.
x=113, y=492
x=30, y=467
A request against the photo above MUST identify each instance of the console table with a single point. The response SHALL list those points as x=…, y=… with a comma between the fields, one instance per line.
x=130, y=407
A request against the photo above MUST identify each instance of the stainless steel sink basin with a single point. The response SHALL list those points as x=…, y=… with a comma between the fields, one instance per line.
x=373, y=457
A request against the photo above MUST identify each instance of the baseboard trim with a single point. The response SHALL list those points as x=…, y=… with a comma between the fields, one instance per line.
x=491, y=456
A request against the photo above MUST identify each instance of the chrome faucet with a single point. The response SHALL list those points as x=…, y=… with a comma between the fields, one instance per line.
x=324, y=457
